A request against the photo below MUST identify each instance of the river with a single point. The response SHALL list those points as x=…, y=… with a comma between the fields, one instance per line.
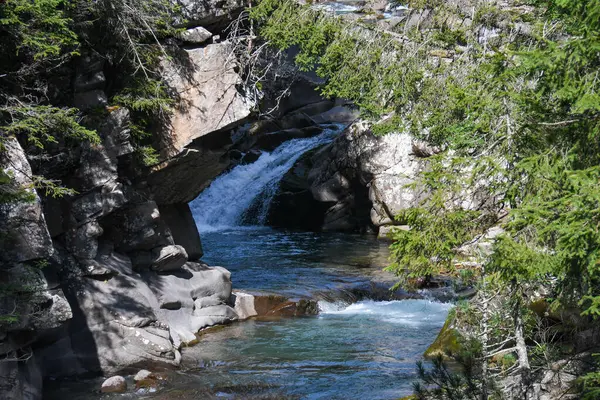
x=358, y=347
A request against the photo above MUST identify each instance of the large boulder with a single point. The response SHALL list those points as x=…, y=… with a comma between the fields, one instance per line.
x=115, y=327
x=212, y=14
x=205, y=81
x=128, y=320
x=196, y=35
x=191, y=299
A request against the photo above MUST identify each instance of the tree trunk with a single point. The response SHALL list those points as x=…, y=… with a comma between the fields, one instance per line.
x=524, y=367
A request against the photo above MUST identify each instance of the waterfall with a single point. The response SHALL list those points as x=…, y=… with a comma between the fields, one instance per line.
x=225, y=203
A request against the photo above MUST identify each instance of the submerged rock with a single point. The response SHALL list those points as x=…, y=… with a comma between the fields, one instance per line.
x=272, y=305
x=142, y=375
x=114, y=384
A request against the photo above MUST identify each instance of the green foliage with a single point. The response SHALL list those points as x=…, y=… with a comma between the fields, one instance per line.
x=148, y=155
x=146, y=96
x=353, y=61
x=460, y=381
x=9, y=192
x=525, y=138
x=430, y=248
x=591, y=385
x=487, y=15
x=40, y=27
x=285, y=25
x=38, y=40
x=41, y=125
x=450, y=37
x=150, y=103
x=423, y=4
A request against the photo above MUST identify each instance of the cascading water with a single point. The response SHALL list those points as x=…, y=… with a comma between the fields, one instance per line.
x=226, y=201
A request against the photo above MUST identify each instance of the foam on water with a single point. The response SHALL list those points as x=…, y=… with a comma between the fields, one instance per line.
x=406, y=312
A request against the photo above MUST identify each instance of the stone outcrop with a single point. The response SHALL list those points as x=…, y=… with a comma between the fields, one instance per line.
x=358, y=182
x=133, y=297
x=194, y=147
x=211, y=14
x=205, y=81
x=131, y=320
x=89, y=83
x=31, y=306
x=24, y=233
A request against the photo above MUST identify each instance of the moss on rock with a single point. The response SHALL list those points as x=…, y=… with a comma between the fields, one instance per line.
x=447, y=343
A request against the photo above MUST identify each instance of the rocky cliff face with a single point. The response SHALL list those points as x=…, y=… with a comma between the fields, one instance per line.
x=357, y=183
x=102, y=282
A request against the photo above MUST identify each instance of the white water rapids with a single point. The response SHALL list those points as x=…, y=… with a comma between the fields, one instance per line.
x=224, y=203
x=403, y=312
